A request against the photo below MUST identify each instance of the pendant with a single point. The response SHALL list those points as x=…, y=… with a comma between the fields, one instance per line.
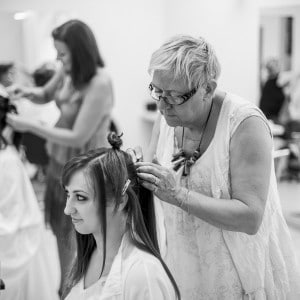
x=177, y=155
x=180, y=159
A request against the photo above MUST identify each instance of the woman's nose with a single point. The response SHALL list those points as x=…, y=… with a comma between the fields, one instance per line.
x=69, y=208
x=163, y=103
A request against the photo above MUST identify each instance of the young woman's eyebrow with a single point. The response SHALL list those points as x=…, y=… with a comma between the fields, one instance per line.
x=80, y=191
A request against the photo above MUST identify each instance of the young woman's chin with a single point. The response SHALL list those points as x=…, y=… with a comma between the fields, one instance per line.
x=81, y=229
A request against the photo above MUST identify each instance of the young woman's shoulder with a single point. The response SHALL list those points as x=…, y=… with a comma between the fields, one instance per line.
x=147, y=279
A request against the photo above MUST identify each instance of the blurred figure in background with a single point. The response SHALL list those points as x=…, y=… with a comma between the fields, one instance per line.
x=293, y=124
x=6, y=75
x=35, y=146
x=28, y=267
x=272, y=94
x=82, y=89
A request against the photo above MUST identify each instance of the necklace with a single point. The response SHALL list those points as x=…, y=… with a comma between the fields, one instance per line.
x=180, y=158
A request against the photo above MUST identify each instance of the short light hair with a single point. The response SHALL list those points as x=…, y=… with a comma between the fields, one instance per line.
x=191, y=59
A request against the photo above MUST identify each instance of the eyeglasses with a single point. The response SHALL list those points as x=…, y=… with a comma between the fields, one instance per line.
x=171, y=98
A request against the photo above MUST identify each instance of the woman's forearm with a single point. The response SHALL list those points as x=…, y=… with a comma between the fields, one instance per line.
x=36, y=94
x=228, y=214
x=46, y=93
x=62, y=136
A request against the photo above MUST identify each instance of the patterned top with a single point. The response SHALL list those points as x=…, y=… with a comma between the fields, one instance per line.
x=211, y=263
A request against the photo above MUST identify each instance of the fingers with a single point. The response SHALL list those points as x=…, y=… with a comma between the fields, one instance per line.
x=150, y=186
x=149, y=164
x=152, y=171
x=149, y=178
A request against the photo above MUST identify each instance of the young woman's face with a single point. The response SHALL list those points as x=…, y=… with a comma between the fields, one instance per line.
x=63, y=55
x=81, y=204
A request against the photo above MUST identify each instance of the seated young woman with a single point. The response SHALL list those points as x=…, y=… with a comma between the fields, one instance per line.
x=113, y=215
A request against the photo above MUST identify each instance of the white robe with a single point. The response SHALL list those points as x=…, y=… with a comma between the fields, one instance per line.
x=28, y=267
x=134, y=275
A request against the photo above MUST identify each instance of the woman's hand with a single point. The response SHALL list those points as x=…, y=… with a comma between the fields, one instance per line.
x=19, y=123
x=160, y=180
x=17, y=92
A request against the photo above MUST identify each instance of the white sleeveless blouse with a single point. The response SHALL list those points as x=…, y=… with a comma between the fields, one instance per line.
x=208, y=262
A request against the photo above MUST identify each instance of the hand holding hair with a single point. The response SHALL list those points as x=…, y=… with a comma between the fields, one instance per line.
x=160, y=180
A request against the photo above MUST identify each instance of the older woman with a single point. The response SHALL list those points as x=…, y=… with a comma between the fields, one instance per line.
x=214, y=174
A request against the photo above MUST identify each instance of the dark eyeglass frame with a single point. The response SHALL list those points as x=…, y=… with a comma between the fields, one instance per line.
x=184, y=98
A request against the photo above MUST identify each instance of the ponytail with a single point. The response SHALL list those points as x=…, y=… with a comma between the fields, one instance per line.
x=142, y=226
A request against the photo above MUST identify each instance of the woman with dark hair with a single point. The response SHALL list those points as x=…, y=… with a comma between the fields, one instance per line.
x=25, y=261
x=82, y=89
x=117, y=249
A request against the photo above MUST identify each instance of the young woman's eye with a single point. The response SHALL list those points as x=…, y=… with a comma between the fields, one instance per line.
x=80, y=198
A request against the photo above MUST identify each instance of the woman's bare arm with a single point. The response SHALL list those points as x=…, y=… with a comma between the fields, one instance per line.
x=96, y=105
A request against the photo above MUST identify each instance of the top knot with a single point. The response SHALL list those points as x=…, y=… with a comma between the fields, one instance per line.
x=115, y=140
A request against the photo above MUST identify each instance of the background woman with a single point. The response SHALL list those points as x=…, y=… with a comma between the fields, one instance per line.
x=117, y=249
x=214, y=175
x=83, y=92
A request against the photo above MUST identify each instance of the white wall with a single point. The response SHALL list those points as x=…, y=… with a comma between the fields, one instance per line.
x=277, y=3
x=10, y=37
x=129, y=31
x=231, y=26
x=270, y=20
x=271, y=37
x=296, y=39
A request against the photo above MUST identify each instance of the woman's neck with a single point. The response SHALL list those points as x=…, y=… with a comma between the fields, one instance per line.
x=113, y=242
x=195, y=129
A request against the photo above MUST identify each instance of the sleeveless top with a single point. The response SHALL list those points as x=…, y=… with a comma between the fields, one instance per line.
x=69, y=106
x=212, y=263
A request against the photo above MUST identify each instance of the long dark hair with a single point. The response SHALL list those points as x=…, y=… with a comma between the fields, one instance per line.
x=85, y=55
x=109, y=169
x=7, y=107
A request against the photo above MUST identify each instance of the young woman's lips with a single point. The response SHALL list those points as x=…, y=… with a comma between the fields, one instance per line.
x=76, y=220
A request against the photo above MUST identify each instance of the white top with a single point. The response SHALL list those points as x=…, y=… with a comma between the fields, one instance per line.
x=134, y=275
x=25, y=262
x=208, y=262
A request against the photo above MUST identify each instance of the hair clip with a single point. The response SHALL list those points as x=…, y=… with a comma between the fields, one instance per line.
x=126, y=185
x=136, y=154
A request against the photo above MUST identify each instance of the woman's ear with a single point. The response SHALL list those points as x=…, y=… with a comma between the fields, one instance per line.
x=210, y=88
